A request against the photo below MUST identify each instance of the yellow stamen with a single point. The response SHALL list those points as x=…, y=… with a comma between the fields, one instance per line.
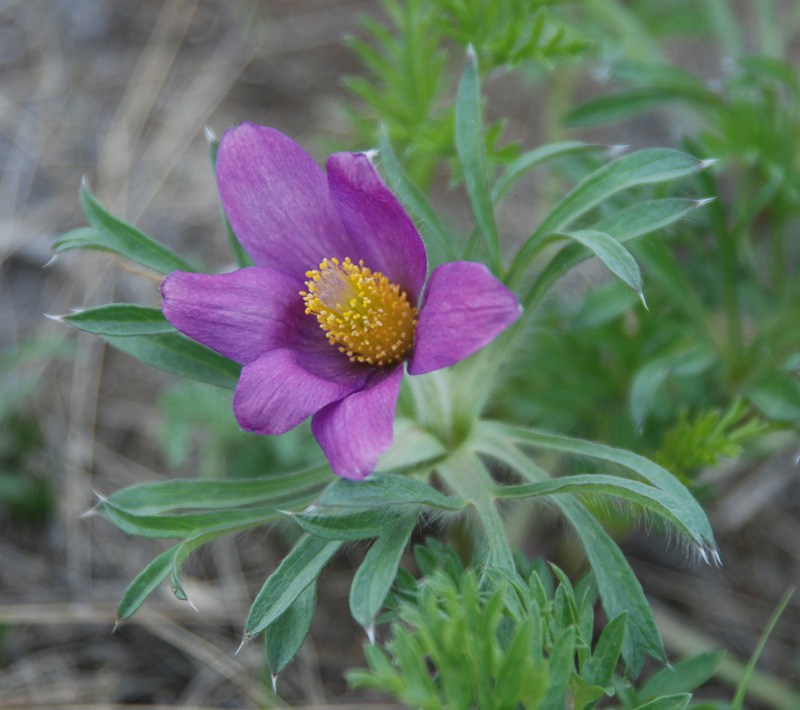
x=368, y=318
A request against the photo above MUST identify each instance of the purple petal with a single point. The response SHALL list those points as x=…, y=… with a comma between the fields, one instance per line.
x=356, y=430
x=384, y=235
x=465, y=308
x=276, y=198
x=283, y=387
x=241, y=314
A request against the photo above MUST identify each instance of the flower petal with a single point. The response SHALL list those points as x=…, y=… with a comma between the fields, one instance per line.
x=276, y=198
x=356, y=430
x=465, y=308
x=284, y=386
x=383, y=234
x=241, y=314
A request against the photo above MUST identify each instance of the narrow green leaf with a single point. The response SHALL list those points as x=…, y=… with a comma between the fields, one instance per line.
x=615, y=257
x=625, y=225
x=693, y=513
x=299, y=568
x=561, y=665
x=650, y=497
x=684, y=677
x=640, y=168
x=413, y=198
x=377, y=572
x=185, y=525
x=194, y=494
x=145, y=583
x=347, y=524
x=118, y=237
x=120, y=319
x=471, y=147
x=176, y=353
x=533, y=158
x=284, y=636
x=80, y=238
x=386, y=489
x=607, y=651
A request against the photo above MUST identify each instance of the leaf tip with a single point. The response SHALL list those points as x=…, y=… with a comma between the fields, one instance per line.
x=703, y=201
x=117, y=624
x=707, y=163
x=85, y=183
x=211, y=137
x=370, y=631
x=58, y=319
x=245, y=640
x=614, y=151
x=472, y=55
x=50, y=261
x=640, y=294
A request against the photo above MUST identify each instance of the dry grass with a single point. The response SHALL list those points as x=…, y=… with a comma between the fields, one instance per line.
x=120, y=92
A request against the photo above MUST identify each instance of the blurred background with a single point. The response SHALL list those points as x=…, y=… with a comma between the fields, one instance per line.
x=119, y=94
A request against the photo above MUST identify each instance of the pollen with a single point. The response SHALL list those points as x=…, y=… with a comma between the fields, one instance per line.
x=368, y=318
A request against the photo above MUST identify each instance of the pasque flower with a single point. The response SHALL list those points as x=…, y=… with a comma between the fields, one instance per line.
x=324, y=321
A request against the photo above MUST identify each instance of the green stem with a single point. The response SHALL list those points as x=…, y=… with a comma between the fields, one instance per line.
x=468, y=478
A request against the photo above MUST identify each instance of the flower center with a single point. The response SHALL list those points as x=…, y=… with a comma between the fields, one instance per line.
x=367, y=317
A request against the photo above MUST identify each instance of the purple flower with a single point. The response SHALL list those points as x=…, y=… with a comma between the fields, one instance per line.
x=325, y=319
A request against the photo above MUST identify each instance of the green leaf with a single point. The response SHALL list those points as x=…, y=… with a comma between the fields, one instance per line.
x=412, y=197
x=185, y=525
x=176, y=353
x=145, y=583
x=625, y=225
x=777, y=395
x=386, y=489
x=471, y=147
x=109, y=233
x=607, y=651
x=650, y=497
x=348, y=524
x=692, y=513
x=377, y=572
x=561, y=665
x=640, y=168
x=284, y=636
x=617, y=585
x=412, y=447
x=615, y=257
x=182, y=494
x=533, y=158
x=670, y=702
x=299, y=568
x=684, y=677
x=120, y=319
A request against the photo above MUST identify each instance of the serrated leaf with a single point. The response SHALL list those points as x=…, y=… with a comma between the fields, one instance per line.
x=111, y=234
x=641, y=168
x=178, y=354
x=297, y=570
x=471, y=148
x=120, y=319
x=377, y=572
x=386, y=489
x=284, y=636
x=533, y=158
x=194, y=494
